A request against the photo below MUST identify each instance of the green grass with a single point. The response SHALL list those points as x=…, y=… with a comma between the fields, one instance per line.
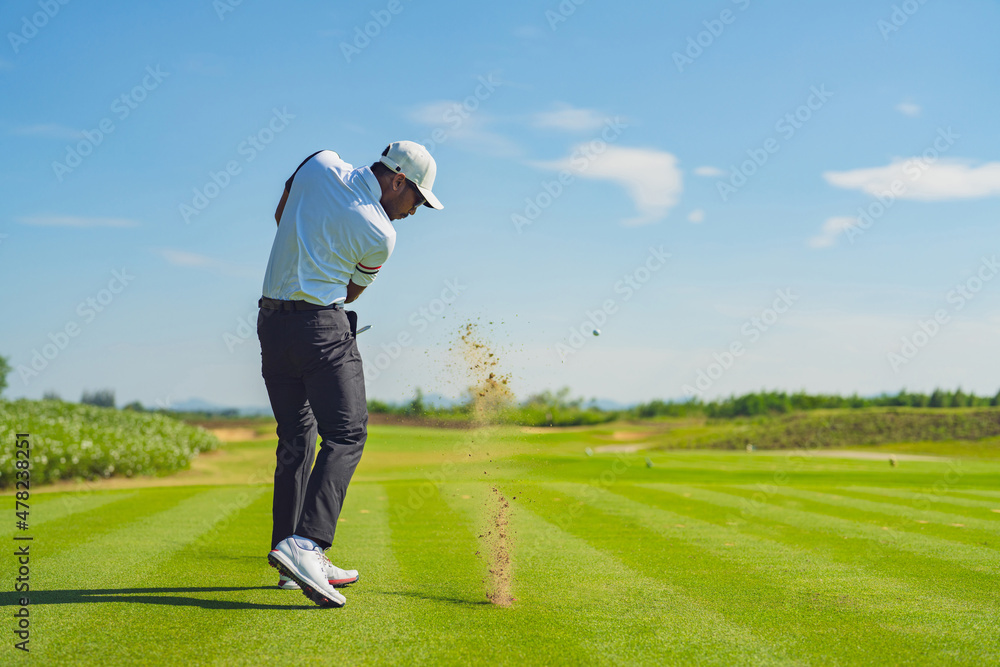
x=707, y=557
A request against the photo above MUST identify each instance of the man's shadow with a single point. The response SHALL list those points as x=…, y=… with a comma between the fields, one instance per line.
x=156, y=596
x=145, y=596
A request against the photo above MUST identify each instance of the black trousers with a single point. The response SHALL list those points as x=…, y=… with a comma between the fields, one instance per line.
x=312, y=370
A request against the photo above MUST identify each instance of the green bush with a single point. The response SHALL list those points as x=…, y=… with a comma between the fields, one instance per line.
x=4, y=370
x=872, y=426
x=70, y=441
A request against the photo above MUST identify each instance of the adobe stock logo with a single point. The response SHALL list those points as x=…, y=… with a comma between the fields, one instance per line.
x=786, y=126
x=628, y=286
x=926, y=330
x=87, y=310
x=901, y=14
x=419, y=320
x=751, y=330
x=37, y=21
x=122, y=107
x=698, y=44
x=579, y=162
x=372, y=29
x=248, y=149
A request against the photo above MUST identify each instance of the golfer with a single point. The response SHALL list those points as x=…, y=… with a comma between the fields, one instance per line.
x=334, y=233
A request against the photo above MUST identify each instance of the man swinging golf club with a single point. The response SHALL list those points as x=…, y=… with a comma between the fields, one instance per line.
x=334, y=233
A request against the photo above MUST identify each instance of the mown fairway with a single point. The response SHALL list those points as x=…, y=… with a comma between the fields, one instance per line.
x=705, y=558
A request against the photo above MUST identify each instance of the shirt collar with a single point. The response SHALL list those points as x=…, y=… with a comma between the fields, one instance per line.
x=368, y=178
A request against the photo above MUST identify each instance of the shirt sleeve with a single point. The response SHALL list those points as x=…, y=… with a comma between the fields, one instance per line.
x=367, y=269
x=288, y=183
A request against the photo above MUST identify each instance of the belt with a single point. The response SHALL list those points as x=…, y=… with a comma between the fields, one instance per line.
x=277, y=304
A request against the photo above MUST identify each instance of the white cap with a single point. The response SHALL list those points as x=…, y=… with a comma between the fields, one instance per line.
x=413, y=161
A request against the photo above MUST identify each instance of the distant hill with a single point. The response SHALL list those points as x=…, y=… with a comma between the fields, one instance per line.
x=201, y=405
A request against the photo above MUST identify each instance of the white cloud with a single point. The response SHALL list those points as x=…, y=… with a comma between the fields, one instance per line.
x=696, y=216
x=190, y=259
x=908, y=108
x=708, y=171
x=923, y=180
x=832, y=228
x=49, y=131
x=184, y=258
x=568, y=118
x=75, y=221
x=463, y=126
x=528, y=31
x=651, y=177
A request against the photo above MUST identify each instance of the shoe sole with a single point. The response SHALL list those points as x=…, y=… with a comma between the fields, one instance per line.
x=343, y=583
x=276, y=559
x=336, y=583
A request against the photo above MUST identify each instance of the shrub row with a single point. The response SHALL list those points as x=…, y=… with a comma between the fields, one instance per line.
x=70, y=441
x=871, y=426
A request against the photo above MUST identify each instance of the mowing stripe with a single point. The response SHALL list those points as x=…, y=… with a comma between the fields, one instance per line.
x=916, y=496
x=619, y=614
x=517, y=633
x=121, y=561
x=894, y=510
x=825, y=608
x=374, y=607
x=804, y=569
x=921, y=576
x=804, y=552
x=55, y=507
x=126, y=555
x=431, y=531
x=174, y=616
x=978, y=492
x=434, y=538
x=261, y=621
x=55, y=536
x=439, y=576
x=786, y=609
x=975, y=558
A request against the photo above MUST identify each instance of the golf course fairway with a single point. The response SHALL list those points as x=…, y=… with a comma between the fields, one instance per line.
x=638, y=557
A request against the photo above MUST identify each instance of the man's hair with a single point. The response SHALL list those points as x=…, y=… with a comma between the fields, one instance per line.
x=380, y=169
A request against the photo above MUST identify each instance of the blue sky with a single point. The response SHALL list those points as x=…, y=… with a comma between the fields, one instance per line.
x=706, y=183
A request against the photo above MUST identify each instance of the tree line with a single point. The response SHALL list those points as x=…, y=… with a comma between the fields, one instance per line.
x=560, y=409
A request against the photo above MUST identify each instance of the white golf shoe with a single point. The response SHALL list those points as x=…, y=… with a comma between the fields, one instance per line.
x=337, y=577
x=286, y=584
x=302, y=561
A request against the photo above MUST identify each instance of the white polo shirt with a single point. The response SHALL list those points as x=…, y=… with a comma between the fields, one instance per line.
x=332, y=230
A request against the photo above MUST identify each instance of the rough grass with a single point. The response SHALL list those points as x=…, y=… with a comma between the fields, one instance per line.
x=707, y=557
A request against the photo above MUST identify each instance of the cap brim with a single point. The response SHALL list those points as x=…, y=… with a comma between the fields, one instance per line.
x=431, y=200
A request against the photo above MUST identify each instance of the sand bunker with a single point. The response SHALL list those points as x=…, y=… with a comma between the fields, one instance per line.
x=627, y=449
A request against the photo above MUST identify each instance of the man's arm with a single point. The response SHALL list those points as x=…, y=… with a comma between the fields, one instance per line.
x=353, y=291
x=366, y=270
x=281, y=206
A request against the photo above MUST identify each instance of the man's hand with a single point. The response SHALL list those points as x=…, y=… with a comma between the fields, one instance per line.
x=353, y=291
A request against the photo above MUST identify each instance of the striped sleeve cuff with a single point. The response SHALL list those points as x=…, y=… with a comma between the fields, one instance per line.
x=364, y=275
